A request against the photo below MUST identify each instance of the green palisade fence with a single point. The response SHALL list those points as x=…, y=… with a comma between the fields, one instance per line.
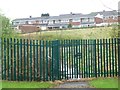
x=38, y=60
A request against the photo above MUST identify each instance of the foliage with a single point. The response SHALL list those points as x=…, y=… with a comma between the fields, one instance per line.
x=86, y=33
x=114, y=26
x=115, y=30
x=47, y=14
x=70, y=26
x=6, y=29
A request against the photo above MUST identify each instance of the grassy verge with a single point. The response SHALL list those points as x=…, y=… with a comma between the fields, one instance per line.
x=9, y=84
x=104, y=83
x=88, y=33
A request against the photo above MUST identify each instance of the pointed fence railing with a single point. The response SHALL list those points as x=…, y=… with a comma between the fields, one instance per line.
x=38, y=60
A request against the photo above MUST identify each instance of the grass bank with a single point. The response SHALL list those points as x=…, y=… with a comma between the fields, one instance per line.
x=104, y=83
x=87, y=33
x=9, y=84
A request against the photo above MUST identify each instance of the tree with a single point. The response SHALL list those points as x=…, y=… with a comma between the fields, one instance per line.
x=45, y=15
x=69, y=25
x=5, y=27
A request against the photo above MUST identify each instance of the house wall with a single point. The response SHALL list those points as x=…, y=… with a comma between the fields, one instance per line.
x=87, y=25
x=57, y=21
x=65, y=20
x=98, y=20
x=28, y=28
x=87, y=22
x=118, y=19
x=110, y=20
x=43, y=28
x=105, y=21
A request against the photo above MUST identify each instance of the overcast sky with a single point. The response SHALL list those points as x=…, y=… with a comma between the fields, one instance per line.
x=25, y=8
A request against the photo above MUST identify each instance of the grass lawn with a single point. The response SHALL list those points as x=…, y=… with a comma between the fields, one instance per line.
x=104, y=83
x=9, y=84
x=87, y=33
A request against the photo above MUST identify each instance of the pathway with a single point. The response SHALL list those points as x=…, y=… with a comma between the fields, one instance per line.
x=74, y=84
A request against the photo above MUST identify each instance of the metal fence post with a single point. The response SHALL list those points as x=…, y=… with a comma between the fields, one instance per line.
x=56, y=59
x=0, y=52
x=118, y=57
x=119, y=40
x=0, y=59
x=95, y=60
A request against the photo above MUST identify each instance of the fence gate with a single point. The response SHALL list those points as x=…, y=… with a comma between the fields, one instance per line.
x=78, y=59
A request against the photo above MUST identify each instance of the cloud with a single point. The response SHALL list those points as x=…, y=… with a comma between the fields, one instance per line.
x=25, y=8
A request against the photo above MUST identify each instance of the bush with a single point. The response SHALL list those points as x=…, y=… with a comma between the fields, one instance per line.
x=6, y=27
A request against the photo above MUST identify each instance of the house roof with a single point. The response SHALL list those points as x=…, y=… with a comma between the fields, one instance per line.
x=99, y=16
x=33, y=18
x=25, y=18
x=72, y=16
x=108, y=13
x=104, y=13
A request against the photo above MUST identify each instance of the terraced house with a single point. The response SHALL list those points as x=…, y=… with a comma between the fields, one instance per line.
x=76, y=20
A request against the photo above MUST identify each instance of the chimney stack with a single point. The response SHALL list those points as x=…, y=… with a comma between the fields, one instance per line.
x=30, y=16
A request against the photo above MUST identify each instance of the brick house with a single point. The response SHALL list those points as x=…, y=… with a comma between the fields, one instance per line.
x=28, y=28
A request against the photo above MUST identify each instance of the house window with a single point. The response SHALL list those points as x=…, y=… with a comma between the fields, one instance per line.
x=59, y=20
x=112, y=17
x=44, y=21
x=41, y=21
x=37, y=21
x=12, y=23
x=26, y=22
x=53, y=21
x=70, y=20
x=17, y=22
x=84, y=19
x=91, y=19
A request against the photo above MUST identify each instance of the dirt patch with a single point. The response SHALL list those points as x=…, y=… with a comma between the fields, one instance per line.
x=79, y=80
x=74, y=83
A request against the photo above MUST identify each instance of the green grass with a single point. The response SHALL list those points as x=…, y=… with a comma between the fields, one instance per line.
x=87, y=33
x=0, y=85
x=10, y=84
x=104, y=83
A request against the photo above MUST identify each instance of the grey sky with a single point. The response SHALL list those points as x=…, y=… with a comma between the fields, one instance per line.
x=24, y=8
